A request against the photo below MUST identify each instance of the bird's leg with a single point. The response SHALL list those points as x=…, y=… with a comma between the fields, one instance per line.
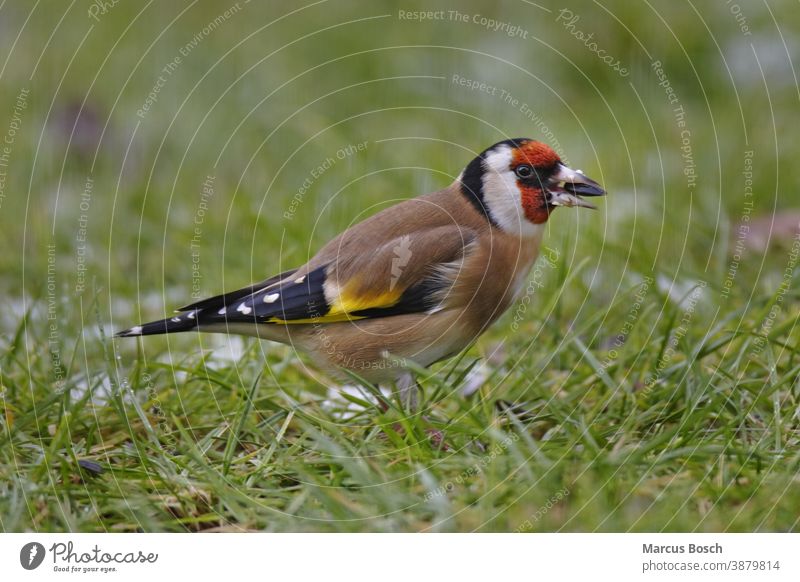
x=408, y=391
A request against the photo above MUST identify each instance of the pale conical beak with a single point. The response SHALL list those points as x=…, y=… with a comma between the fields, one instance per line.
x=567, y=185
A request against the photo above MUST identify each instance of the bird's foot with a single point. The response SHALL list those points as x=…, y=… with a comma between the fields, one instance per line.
x=435, y=436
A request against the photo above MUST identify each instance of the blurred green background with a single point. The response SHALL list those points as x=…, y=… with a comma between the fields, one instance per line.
x=156, y=152
x=266, y=93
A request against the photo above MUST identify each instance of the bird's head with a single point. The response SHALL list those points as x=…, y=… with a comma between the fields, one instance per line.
x=518, y=182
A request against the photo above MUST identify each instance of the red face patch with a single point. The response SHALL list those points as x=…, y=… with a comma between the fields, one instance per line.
x=534, y=205
x=540, y=156
x=535, y=153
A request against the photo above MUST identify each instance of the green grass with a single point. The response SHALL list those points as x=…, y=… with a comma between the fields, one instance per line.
x=640, y=388
x=200, y=443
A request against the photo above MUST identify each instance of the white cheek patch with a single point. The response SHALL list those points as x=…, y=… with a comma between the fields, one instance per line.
x=502, y=196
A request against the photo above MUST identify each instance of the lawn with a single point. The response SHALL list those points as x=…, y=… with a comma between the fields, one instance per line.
x=157, y=153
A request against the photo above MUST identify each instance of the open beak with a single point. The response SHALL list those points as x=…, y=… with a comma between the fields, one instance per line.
x=567, y=186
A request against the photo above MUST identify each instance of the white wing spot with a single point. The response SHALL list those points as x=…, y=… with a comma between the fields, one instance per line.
x=176, y=319
x=191, y=315
x=271, y=297
x=300, y=279
x=221, y=311
x=244, y=308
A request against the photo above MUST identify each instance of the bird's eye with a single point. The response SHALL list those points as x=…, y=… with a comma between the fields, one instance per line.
x=524, y=171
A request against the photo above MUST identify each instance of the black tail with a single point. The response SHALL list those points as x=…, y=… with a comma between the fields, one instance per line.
x=185, y=321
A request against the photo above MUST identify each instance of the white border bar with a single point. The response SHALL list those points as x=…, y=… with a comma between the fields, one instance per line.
x=421, y=558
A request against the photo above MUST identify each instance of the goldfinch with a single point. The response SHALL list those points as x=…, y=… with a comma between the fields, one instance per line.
x=413, y=284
